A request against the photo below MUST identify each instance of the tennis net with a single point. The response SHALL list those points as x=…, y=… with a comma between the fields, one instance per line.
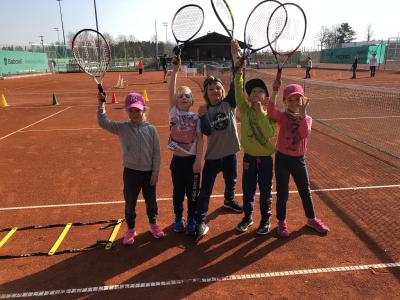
x=368, y=115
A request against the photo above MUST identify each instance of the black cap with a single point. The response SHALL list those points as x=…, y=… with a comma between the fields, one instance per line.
x=256, y=82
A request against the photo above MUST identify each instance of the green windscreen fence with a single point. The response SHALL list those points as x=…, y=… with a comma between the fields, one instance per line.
x=21, y=62
x=346, y=55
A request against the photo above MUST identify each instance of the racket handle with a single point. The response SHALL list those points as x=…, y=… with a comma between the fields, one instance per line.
x=101, y=90
x=177, y=51
x=196, y=186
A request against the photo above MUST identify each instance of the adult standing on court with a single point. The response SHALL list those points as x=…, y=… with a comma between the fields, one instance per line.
x=354, y=67
x=373, y=62
x=308, y=67
x=163, y=62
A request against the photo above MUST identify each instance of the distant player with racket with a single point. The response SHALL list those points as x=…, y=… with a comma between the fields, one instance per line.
x=186, y=143
x=291, y=147
x=218, y=123
x=140, y=67
x=140, y=158
x=256, y=129
x=164, y=64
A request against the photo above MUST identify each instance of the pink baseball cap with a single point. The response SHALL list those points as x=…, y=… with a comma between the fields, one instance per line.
x=134, y=100
x=293, y=89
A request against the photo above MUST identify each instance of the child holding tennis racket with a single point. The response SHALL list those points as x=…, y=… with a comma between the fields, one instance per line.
x=140, y=158
x=291, y=146
x=186, y=143
x=256, y=131
x=218, y=123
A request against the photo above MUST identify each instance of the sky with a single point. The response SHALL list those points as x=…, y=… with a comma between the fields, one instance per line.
x=23, y=21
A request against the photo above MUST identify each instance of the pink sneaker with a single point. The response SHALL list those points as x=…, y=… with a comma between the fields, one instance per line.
x=282, y=229
x=318, y=225
x=129, y=237
x=156, y=231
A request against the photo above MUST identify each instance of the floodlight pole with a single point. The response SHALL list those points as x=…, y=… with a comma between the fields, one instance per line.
x=62, y=23
x=166, y=27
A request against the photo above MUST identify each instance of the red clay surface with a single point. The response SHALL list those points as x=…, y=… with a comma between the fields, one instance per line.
x=67, y=159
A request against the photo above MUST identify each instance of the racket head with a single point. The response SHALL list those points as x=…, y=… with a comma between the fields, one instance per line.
x=224, y=15
x=92, y=53
x=187, y=22
x=286, y=37
x=255, y=30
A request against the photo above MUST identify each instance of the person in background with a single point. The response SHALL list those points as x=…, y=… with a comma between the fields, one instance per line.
x=373, y=62
x=308, y=67
x=354, y=67
x=163, y=62
x=140, y=158
x=291, y=147
x=186, y=143
x=140, y=68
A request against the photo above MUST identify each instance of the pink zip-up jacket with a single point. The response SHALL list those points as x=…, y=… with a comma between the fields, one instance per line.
x=293, y=134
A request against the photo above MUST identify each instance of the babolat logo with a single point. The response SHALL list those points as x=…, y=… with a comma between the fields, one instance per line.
x=11, y=61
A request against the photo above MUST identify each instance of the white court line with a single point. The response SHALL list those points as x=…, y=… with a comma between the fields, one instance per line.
x=201, y=280
x=6, y=136
x=358, y=118
x=75, y=129
x=212, y=196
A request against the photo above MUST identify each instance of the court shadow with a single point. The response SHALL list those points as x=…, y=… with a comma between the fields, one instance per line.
x=350, y=216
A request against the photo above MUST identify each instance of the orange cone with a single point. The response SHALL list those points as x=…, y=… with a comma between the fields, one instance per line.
x=113, y=98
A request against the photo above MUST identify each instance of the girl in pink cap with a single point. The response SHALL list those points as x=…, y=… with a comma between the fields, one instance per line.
x=141, y=160
x=291, y=146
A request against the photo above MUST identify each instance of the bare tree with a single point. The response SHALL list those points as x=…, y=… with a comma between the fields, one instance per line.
x=368, y=32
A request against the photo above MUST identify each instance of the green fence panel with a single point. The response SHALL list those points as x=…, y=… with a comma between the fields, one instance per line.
x=21, y=62
x=347, y=55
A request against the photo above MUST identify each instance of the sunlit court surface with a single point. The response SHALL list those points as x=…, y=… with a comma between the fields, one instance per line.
x=62, y=204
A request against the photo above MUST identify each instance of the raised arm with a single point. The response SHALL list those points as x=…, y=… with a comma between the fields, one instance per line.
x=176, y=63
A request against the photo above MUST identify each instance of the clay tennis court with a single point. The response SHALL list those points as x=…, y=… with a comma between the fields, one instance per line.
x=58, y=167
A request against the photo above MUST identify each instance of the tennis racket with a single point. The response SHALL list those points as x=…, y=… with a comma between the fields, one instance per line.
x=92, y=53
x=285, y=37
x=255, y=30
x=224, y=15
x=187, y=22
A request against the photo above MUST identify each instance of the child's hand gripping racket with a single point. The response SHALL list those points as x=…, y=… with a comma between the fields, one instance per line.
x=187, y=22
x=286, y=31
x=92, y=53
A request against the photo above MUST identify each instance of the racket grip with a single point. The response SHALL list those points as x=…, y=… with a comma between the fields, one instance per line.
x=101, y=90
x=196, y=187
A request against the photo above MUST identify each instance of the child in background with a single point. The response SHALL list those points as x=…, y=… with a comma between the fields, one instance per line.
x=294, y=130
x=140, y=158
x=140, y=68
x=186, y=142
x=218, y=123
x=256, y=131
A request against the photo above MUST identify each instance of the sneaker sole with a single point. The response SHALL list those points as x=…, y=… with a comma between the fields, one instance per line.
x=244, y=230
x=234, y=209
x=199, y=237
x=323, y=232
x=264, y=233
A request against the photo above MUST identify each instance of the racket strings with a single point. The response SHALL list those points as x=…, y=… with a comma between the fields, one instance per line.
x=92, y=54
x=292, y=32
x=187, y=23
x=224, y=13
x=256, y=26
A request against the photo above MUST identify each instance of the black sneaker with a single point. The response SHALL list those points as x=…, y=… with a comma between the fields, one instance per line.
x=233, y=205
x=244, y=225
x=263, y=228
x=201, y=231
